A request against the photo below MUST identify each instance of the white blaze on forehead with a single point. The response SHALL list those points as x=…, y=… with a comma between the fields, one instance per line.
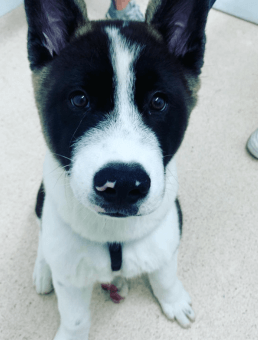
x=123, y=55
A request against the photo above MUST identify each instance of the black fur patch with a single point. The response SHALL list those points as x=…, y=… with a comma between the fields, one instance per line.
x=83, y=66
x=180, y=216
x=157, y=72
x=40, y=200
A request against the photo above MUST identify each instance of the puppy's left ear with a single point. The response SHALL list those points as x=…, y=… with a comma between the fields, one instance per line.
x=51, y=23
x=182, y=25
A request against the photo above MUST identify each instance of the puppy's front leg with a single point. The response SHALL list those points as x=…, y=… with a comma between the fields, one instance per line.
x=173, y=298
x=74, y=309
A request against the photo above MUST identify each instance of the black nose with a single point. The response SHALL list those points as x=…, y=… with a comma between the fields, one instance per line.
x=120, y=183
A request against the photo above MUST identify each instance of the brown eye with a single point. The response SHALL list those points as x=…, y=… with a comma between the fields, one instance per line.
x=79, y=99
x=158, y=103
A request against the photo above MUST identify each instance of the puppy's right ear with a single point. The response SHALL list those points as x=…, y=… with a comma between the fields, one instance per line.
x=51, y=25
x=182, y=25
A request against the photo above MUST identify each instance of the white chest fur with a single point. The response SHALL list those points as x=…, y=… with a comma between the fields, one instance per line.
x=80, y=261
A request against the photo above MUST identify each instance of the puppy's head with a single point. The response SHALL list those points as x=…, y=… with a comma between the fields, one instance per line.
x=114, y=97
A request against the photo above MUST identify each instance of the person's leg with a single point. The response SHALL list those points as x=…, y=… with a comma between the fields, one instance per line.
x=252, y=144
x=124, y=10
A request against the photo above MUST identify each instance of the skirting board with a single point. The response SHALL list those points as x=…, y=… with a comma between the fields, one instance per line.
x=244, y=9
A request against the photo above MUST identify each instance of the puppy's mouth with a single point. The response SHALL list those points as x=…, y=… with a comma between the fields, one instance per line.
x=117, y=214
x=117, y=211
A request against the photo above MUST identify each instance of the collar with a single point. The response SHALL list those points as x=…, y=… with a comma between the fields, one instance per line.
x=115, y=251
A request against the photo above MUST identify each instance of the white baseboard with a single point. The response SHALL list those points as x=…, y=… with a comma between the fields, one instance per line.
x=244, y=9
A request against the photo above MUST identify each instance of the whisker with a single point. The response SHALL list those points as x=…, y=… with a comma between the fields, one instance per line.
x=58, y=179
x=58, y=167
x=169, y=155
x=171, y=175
x=75, y=131
x=62, y=156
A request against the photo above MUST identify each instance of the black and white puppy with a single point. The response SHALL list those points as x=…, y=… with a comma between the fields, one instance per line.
x=114, y=100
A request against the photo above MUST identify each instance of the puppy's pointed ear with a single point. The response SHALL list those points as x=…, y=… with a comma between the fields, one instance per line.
x=182, y=25
x=51, y=25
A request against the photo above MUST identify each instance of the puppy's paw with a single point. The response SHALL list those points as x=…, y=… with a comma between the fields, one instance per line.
x=42, y=278
x=179, y=307
x=122, y=286
x=65, y=334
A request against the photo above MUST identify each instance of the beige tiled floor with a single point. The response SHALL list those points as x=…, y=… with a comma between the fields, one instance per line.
x=218, y=260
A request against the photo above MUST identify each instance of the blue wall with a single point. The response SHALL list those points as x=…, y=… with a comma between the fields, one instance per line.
x=244, y=9
x=8, y=5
